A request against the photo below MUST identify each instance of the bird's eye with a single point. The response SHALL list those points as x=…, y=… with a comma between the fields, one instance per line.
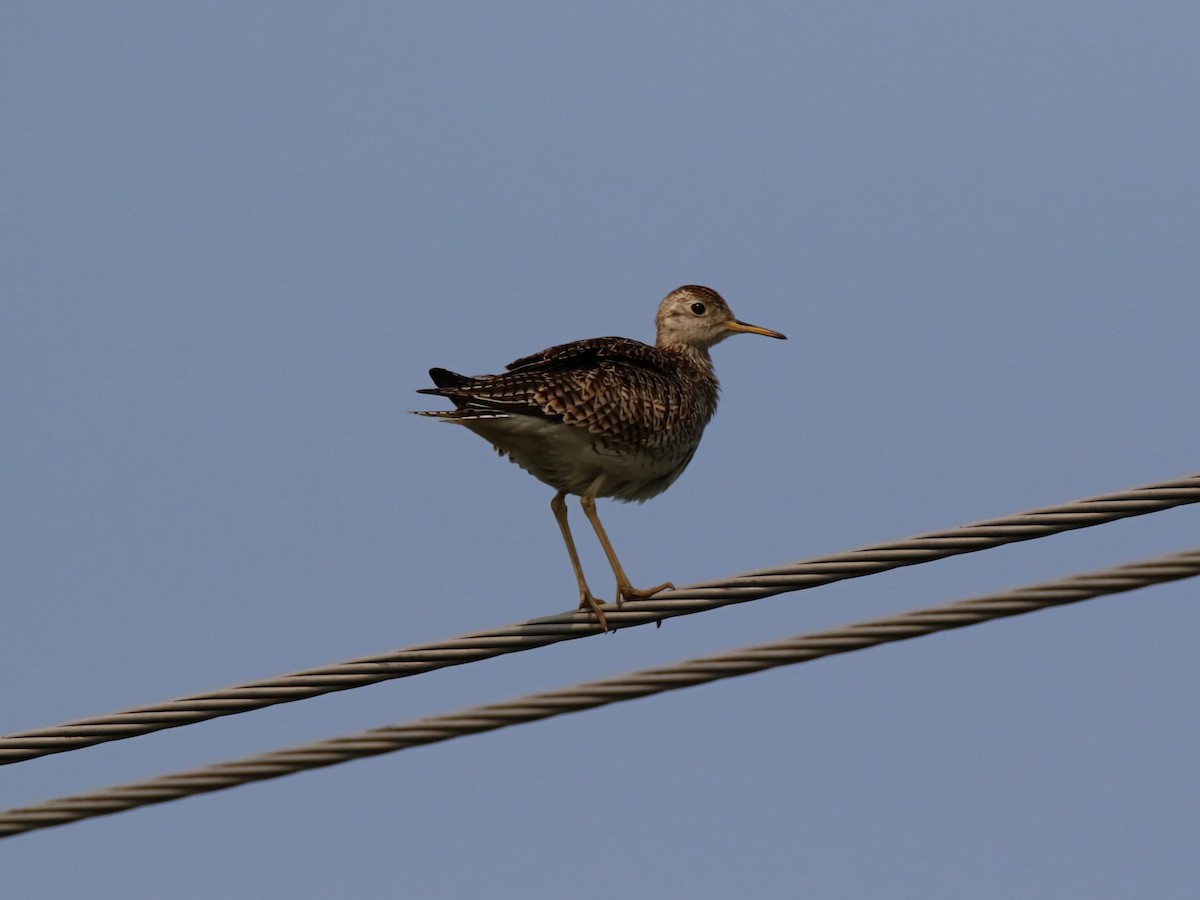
x=698, y=308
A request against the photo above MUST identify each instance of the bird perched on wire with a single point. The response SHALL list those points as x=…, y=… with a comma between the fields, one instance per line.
x=603, y=417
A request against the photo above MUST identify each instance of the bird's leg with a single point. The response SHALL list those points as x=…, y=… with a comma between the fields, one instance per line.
x=586, y=600
x=625, y=591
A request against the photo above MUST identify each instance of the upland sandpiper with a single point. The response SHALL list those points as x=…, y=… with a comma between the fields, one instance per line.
x=604, y=417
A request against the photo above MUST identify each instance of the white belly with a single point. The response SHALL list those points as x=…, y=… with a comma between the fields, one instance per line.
x=569, y=458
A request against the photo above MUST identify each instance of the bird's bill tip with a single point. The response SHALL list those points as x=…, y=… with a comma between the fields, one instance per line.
x=745, y=328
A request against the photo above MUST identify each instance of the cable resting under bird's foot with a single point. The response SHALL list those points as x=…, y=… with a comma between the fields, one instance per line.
x=603, y=417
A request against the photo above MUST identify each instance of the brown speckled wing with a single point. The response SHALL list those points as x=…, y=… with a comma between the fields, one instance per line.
x=629, y=394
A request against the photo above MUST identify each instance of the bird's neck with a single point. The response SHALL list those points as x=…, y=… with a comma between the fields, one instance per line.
x=690, y=355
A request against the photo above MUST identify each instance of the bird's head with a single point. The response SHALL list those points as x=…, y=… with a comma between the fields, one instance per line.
x=697, y=317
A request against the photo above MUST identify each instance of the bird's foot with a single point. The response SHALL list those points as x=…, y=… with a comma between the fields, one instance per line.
x=629, y=592
x=587, y=601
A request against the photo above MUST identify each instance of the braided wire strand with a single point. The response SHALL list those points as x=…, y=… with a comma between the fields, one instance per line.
x=593, y=694
x=699, y=597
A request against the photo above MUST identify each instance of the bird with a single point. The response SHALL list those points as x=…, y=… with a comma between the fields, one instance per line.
x=603, y=417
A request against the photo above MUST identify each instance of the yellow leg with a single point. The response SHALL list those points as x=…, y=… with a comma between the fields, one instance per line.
x=625, y=591
x=586, y=600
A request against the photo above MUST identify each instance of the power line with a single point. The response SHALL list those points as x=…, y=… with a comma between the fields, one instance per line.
x=593, y=694
x=540, y=632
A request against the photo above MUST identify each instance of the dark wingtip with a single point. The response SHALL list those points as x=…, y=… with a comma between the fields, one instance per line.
x=444, y=378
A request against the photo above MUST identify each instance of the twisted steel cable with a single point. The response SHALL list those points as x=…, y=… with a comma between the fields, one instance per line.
x=593, y=694
x=540, y=632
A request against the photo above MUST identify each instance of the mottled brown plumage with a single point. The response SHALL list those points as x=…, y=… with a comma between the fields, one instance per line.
x=604, y=417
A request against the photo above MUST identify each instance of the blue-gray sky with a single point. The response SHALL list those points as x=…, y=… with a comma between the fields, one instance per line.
x=235, y=237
